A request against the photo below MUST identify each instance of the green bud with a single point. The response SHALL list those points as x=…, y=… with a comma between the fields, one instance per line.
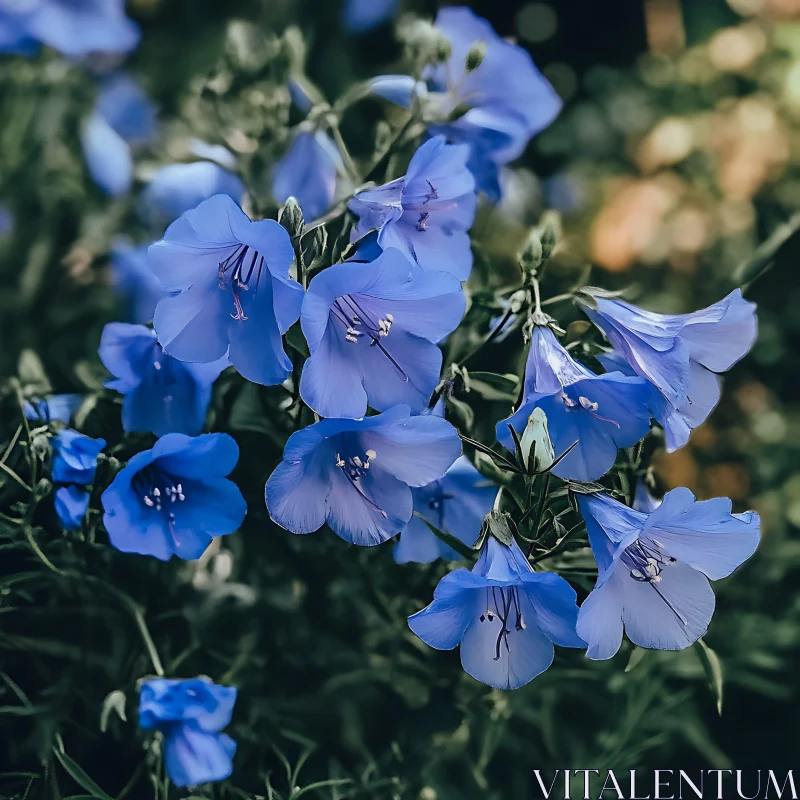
x=497, y=524
x=537, y=449
x=291, y=217
x=550, y=232
x=43, y=488
x=475, y=55
x=443, y=49
x=114, y=702
x=246, y=46
x=40, y=445
x=531, y=256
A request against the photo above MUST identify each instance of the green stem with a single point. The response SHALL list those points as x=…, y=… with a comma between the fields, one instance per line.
x=349, y=164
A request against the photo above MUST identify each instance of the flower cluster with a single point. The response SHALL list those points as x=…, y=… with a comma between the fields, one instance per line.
x=354, y=333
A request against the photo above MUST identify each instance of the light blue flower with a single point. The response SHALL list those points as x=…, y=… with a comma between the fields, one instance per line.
x=680, y=354
x=505, y=616
x=191, y=715
x=74, y=27
x=123, y=116
x=425, y=214
x=177, y=188
x=75, y=457
x=356, y=474
x=308, y=171
x=229, y=287
x=133, y=279
x=371, y=330
x=654, y=568
x=174, y=499
x=56, y=407
x=71, y=504
x=599, y=412
x=162, y=394
x=362, y=16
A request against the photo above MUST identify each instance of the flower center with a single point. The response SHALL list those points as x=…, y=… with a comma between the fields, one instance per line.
x=355, y=468
x=237, y=269
x=158, y=490
x=359, y=322
x=646, y=561
x=585, y=404
x=502, y=604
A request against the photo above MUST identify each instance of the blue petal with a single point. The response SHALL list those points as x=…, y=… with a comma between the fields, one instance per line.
x=71, y=503
x=642, y=499
x=419, y=544
x=362, y=16
x=704, y=535
x=553, y=600
x=135, y=281
x=296, y=494
x=211, y=455
x=75, y=457
x=59, y=407
x=177, y=188
x=600, y=620
x=127, y=109
x=163, y=701
x=193, y=756
x=443, y=166
x=108, y=156
x=397, y=89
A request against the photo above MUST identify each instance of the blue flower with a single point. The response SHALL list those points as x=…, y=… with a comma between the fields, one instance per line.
x=308, y=171
x=190, y=714
x=230, y=287
x=162, y=394
x=599, y=412
x=507, y=100
x=371, y=330
x=177, y=188
x=71, y=504
x=123, y=116
x=505, y=616
x=6, y=221
x=133, y=279
x=174, y=499
x=643, y=500
x=362, y=16
x=680, y=354
x=355, y=474
x=654, y=568
x=427, y=213
x=58, y=407
x=74, y=28
x=75, y=457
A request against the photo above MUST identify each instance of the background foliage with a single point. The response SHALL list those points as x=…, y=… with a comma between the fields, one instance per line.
x=678, y=152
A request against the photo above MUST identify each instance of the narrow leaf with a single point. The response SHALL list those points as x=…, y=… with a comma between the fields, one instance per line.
x=713, y=669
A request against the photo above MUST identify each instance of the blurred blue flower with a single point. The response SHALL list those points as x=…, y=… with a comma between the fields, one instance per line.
x=427, y=213
x=505, y=616
x=74, y=27
x=371, y=330
x=599, y=412
x=174, y=499
x=177, y=188
x=190, y=714
x=230, y=287
x=680, y=354
x=123, y=116
x=71, y=504
x=643, y=500
x=58, y=407
x=355, y=474
x=162, y=394
x=456, y=503
x=75, y=464
x=75, y=457
x=507, y=100
x=308, y=172
x=654, y=569
x=6, y=221
x=362, y=16
x=133, y=279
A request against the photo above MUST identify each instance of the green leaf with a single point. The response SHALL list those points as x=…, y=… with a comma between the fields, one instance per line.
x=713, y=669
x=492, y=386
x=764, y=256
x=115, y=701
x=79, y=776
x=448, y=539
x=637, y=654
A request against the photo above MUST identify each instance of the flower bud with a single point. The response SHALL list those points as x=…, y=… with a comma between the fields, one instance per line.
x=43, y=488
x=549, y=233
x=531, y=256
x=475, y=55
x=497, y=524
x=536, y=444
x=40, y=445
x=291, y=217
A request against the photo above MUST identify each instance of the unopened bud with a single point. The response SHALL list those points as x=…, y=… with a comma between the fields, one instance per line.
x=43, y=488
x=475, y=56
x=518, y=300
x=550, y=232
x=531, y=256
x=443, y=49
x=500, y=525
x=40, y=445
x=537, y=449
x=291, y=217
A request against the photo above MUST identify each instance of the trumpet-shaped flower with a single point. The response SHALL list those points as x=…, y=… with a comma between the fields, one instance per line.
x=680, y=354
x=177, y=188
x=162, y=394
x=371, y=330
x=123, y=117
x=505, y=616
x=71, y=504
x=190, y=714
x=75, y=457
x=599, y=412
x=425, y=214
x=230, y=288
x=58, y=407
x=74, y=28
x=496, y=107
x=133, y=279
x=308, y=171
x=356, y=474
x=174, y=499
x=654, y=568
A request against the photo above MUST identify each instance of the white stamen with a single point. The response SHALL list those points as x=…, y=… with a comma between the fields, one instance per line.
x=371, y=454
x=587, y=404
x=148, y=502
x=157, y=364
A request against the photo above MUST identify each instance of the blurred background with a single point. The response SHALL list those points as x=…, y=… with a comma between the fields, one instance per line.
x=676, y=157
